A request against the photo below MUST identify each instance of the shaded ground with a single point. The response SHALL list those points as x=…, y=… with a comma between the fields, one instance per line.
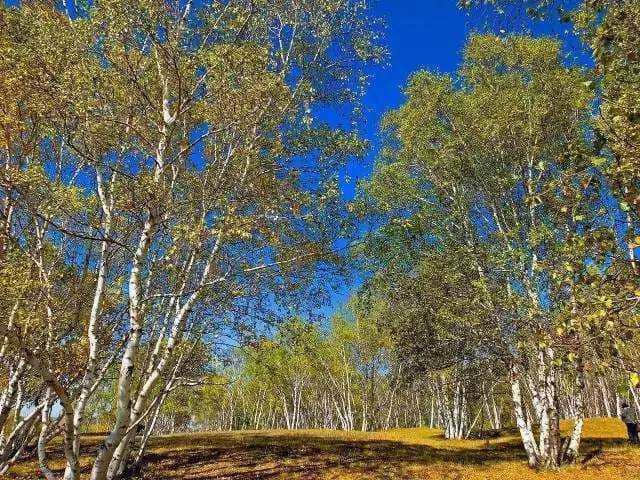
x=397, y=454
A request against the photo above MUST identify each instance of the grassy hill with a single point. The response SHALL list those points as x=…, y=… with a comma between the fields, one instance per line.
x=419, y=453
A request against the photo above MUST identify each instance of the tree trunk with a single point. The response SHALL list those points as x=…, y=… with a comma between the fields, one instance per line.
x=573, y=448
x=526, y=433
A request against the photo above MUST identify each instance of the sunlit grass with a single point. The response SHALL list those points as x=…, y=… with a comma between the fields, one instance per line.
x=416, y=453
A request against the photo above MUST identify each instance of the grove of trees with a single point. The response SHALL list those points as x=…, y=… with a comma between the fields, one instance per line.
x=163, y=181
x=172, y=224
x=506, y=225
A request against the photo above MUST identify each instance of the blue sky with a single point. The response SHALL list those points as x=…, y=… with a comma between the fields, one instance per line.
x=420, y=34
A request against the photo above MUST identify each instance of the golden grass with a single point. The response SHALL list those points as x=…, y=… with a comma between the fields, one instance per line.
x=417, y=453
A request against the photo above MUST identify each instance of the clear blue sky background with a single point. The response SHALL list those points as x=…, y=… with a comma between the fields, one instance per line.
x=420, y=34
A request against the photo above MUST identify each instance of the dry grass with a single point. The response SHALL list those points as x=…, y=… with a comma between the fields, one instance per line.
x=397, y=454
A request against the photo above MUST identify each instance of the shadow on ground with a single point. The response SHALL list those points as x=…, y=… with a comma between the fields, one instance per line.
x=307, y=456
x=401, y=454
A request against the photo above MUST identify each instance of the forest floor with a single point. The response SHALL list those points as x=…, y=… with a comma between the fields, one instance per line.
x=418, y=453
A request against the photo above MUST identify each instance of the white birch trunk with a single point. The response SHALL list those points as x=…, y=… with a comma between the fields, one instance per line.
x=526, y=433
x=45, y=421
x=573, y=448
x=127, y=366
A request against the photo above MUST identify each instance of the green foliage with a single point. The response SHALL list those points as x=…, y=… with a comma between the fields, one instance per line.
x=489, y=207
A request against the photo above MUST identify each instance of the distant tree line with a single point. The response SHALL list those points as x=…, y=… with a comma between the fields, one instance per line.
x=349, y=378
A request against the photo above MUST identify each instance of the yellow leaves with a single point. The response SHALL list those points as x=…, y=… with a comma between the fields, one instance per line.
x=513, y=51
x=634, y=242
x=240, y=85
x=50, y=197
x=600, y=313
x=239, y=227
x=38, y=56
x=185, y=233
